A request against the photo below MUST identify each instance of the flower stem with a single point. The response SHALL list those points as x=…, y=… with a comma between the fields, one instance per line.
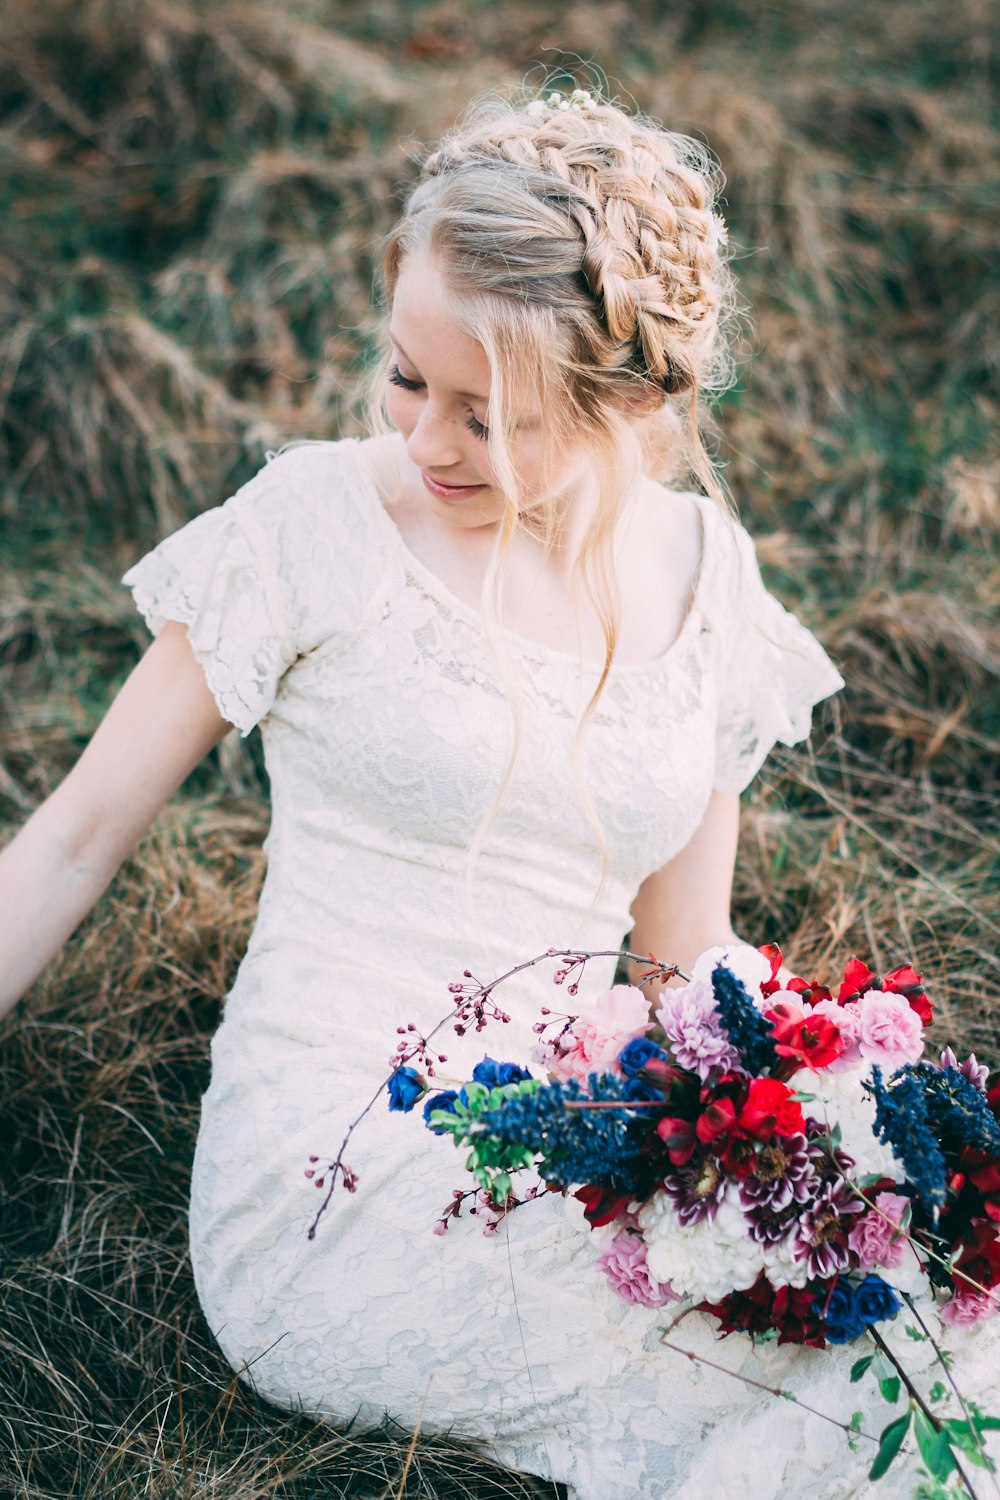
x=953, y=1383
x=919, y=1401
x=771, y=1390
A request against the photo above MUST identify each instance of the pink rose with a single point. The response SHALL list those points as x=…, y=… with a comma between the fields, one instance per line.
x=624, y=1264
x=847, y=1020
x=876, y=1239
x=890, y=1032
x=968, y=1307
x=593, y=1042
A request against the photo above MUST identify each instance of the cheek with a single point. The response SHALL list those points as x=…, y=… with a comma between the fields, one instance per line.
x=400, y=408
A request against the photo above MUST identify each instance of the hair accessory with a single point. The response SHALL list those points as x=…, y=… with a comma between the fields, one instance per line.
x=718, y=232
x=580, y=100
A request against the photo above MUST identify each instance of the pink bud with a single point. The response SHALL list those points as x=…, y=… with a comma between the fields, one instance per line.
x=441, y=1227
x=309, y=1171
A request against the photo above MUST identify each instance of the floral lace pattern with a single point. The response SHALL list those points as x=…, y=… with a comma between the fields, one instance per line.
x=385, y=734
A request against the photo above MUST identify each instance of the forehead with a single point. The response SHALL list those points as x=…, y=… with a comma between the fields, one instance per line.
x=424, y=328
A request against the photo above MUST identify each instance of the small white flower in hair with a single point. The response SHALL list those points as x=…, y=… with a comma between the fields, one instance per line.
x=579, y=100
x=718, y=232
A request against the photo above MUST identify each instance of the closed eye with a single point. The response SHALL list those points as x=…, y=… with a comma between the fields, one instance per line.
x=396, y=377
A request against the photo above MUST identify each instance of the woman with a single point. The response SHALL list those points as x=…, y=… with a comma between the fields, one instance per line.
x=511, y=682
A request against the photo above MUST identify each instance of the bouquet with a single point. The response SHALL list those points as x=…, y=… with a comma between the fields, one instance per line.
x=772, y=1154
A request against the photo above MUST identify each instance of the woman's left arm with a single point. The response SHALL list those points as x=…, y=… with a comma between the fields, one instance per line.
x=683, y=908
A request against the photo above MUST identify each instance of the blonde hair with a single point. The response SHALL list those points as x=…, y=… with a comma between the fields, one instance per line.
x=580, y=248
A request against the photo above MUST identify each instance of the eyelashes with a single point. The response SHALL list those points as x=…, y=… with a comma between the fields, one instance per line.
x=472, y=422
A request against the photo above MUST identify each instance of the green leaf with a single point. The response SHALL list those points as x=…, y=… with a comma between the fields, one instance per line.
x=890, y=1389
x=915, y=1334
x=859, y=1367
x=938, y=1391
x=934, y=1447
x=889, y=1444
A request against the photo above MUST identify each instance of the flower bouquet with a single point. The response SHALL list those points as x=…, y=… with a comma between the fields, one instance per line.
x=774, y=1155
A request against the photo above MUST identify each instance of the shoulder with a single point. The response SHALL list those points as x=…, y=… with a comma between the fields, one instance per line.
x=308, y=514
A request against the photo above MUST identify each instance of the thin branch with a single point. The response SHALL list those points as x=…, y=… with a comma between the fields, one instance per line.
x=771, y=1390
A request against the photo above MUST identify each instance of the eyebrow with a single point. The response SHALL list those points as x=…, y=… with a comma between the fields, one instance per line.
x=469, y=395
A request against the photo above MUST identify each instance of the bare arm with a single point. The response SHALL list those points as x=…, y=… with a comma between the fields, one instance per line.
x=683, y=908
x=162, y=723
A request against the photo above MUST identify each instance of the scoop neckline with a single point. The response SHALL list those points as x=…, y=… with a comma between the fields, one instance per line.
x=438, y=589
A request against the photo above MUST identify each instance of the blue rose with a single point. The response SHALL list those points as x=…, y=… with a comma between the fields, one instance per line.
x=877, y=1300
x=495, y=1074
x=842, y=1320
x=637, y=1090
x=634, y=1057
x=405, y=1087
x=445, y=1100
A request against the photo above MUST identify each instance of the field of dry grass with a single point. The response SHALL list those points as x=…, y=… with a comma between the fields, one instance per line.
x=190, y=196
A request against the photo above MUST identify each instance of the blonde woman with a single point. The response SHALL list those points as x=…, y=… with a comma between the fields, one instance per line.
x=511, y=677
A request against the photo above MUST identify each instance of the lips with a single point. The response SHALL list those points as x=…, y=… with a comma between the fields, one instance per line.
x=450, y=491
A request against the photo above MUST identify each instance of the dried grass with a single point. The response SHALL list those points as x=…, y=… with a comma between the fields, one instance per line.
x=191, y=194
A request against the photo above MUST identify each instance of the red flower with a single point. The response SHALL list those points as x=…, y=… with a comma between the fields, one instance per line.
x=737, y=1114
x=857, y=979
x=760, y=1308
x=772, y=953
x=980, y=1257
x=813, y=1041
x=679, y=1138
x=903, y=981
x=601, y=1205
x=812, y=992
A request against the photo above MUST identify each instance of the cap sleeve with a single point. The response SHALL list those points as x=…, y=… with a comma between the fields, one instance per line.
x=262, y=578
x=772, y=673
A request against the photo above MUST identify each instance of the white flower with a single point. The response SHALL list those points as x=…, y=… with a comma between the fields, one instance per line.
x=751, y=968
x=705, y=1261
x=840, y=1100
x=536, y=109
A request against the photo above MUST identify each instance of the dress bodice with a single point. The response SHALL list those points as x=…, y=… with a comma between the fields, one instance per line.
x=387, y=725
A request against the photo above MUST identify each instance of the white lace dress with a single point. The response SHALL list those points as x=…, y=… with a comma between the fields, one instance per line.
x=385, y=734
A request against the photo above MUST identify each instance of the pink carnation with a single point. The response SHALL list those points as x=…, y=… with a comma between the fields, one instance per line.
x=593, y=1042
x=875, y=1238
x=624, y=1264
x=847, y=1020
x=890, y=1032
x=968, y=1307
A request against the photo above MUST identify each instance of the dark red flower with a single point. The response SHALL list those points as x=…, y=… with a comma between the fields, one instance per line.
x=811, y=991
x=679, y=1138
x=760, y=1308
x=980, y=1254
x=602, y=1205
x=811, y=1041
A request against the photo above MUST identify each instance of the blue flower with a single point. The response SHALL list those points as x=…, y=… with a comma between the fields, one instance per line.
x=747, y=1029
x=877, y=1300
x=445, y=1100
x=579, y=1145
x=901, y=1120
x=495, y=1074
x=841, y=1314
x=635, y=1055
x=405, y=1087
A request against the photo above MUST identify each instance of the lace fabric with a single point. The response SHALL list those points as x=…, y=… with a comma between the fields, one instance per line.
x=385, y=733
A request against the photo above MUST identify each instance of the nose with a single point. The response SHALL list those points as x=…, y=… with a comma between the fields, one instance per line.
x=431, y=443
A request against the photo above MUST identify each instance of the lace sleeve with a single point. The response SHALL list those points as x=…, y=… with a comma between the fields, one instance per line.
x=264, y=578
x=773, y=672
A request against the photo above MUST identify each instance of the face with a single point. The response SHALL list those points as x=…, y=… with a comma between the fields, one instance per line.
x=438, y=396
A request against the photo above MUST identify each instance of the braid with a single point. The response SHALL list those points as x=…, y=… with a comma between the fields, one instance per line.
x=639, y=202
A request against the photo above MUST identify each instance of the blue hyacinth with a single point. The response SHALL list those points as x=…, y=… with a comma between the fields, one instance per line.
x=579, y=1145
x=748, y=1031
x=901, y=1119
